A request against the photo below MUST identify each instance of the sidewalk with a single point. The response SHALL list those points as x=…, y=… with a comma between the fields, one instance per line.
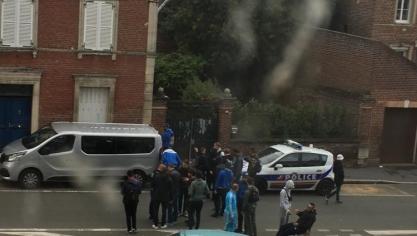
x=382, y=175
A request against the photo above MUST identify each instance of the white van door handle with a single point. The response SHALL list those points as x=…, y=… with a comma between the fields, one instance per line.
x=318, y=170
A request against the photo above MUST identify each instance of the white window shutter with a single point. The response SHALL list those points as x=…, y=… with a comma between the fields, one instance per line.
x=9, y=23
x=90, y=26
x=25, y=22
x=106, y=25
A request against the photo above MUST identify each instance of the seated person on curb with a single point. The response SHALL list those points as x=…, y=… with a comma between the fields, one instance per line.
x=304, y=223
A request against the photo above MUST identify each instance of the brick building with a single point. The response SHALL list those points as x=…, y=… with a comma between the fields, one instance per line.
x=71, y=60
x=380, y=85
x=392, y=22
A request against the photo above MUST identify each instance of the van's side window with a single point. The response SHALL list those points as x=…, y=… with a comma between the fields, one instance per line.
x=59, y=144
x=291, y=160
x=116, y=145
x=128, y=145
x=312, y=159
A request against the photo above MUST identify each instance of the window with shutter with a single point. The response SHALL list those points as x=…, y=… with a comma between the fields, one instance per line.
x=403, y=11
x=25, y=22
x=98, y=25
x=17, y=23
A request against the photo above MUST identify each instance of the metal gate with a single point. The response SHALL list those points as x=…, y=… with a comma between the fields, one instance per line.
x=399, y=136
x=194, y=124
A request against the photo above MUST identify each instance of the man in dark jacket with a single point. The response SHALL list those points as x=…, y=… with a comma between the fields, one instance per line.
x=339, y=177
x=304, y=223
x=249, y=207
x=162, y=194
x=222, y=186
x=254, y=164
x=237, y=164
x=130, y=190
x=216, y=156
x=243, y=187
x=173, y=207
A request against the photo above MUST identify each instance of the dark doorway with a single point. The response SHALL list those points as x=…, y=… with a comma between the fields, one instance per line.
x=399, y=135
x=15, y=112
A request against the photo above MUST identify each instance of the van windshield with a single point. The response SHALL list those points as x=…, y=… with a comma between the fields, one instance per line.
x=269, y=155
x=38, y=137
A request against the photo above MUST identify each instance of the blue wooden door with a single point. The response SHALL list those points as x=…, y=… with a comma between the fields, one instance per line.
x=15, y=113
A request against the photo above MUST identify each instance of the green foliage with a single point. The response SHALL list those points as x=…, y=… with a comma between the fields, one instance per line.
x=270, y=120
x=174, y=71
x=203, y=28
x=198, y=90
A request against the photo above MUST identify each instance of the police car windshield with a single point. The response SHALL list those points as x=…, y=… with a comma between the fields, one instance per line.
x=269, y=155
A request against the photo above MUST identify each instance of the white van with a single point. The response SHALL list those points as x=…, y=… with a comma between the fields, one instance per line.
x=309, y=168
x=68, y=150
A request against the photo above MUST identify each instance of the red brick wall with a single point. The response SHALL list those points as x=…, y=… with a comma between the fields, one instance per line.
x=58, y=29
x=376, y=19
x=369, y=68
x=355, y=17
x=342, y=64
x=159, y=115
x=225, y=110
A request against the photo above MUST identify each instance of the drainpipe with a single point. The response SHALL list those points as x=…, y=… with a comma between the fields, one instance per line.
x=150, y=61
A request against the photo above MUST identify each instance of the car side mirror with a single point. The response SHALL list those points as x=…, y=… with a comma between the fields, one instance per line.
x=278, y=166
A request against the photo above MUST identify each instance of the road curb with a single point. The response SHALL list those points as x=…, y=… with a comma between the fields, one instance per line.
x=376, y=181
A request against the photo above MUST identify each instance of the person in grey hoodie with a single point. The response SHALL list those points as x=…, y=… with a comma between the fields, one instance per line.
x=197, y=191
x=285, y=202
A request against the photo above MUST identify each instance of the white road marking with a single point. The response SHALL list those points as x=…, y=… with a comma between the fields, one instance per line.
x=391, y=232
x=346, y=230
x=323, y=230
x=33, y=234
x=397, y=189
x=378, y=195
x=58, y=191
x=355, y=234
x=271, y=230
x=34, y=231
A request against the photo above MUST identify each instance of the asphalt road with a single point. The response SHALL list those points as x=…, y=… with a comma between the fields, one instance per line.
x=65, y=210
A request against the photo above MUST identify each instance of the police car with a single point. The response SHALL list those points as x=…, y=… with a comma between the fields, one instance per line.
x=310, y=168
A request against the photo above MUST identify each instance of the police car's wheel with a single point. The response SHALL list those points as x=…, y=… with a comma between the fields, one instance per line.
x=261, y=185
x=324, y=187
x=30, y=179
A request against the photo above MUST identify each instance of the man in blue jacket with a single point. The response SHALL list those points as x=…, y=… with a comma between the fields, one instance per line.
x=170, y=157
x=222, y=186
x=167, y=137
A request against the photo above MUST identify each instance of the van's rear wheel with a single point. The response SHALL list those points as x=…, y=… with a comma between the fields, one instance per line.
x=30, y=179
x=324, y=187
x=140, y=176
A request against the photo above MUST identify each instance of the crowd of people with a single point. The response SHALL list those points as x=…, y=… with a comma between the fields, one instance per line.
x=226, y=176
x=179, y=188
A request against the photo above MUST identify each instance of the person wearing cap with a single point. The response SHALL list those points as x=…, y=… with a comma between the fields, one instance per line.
x=285, y=202
x=339, y=176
